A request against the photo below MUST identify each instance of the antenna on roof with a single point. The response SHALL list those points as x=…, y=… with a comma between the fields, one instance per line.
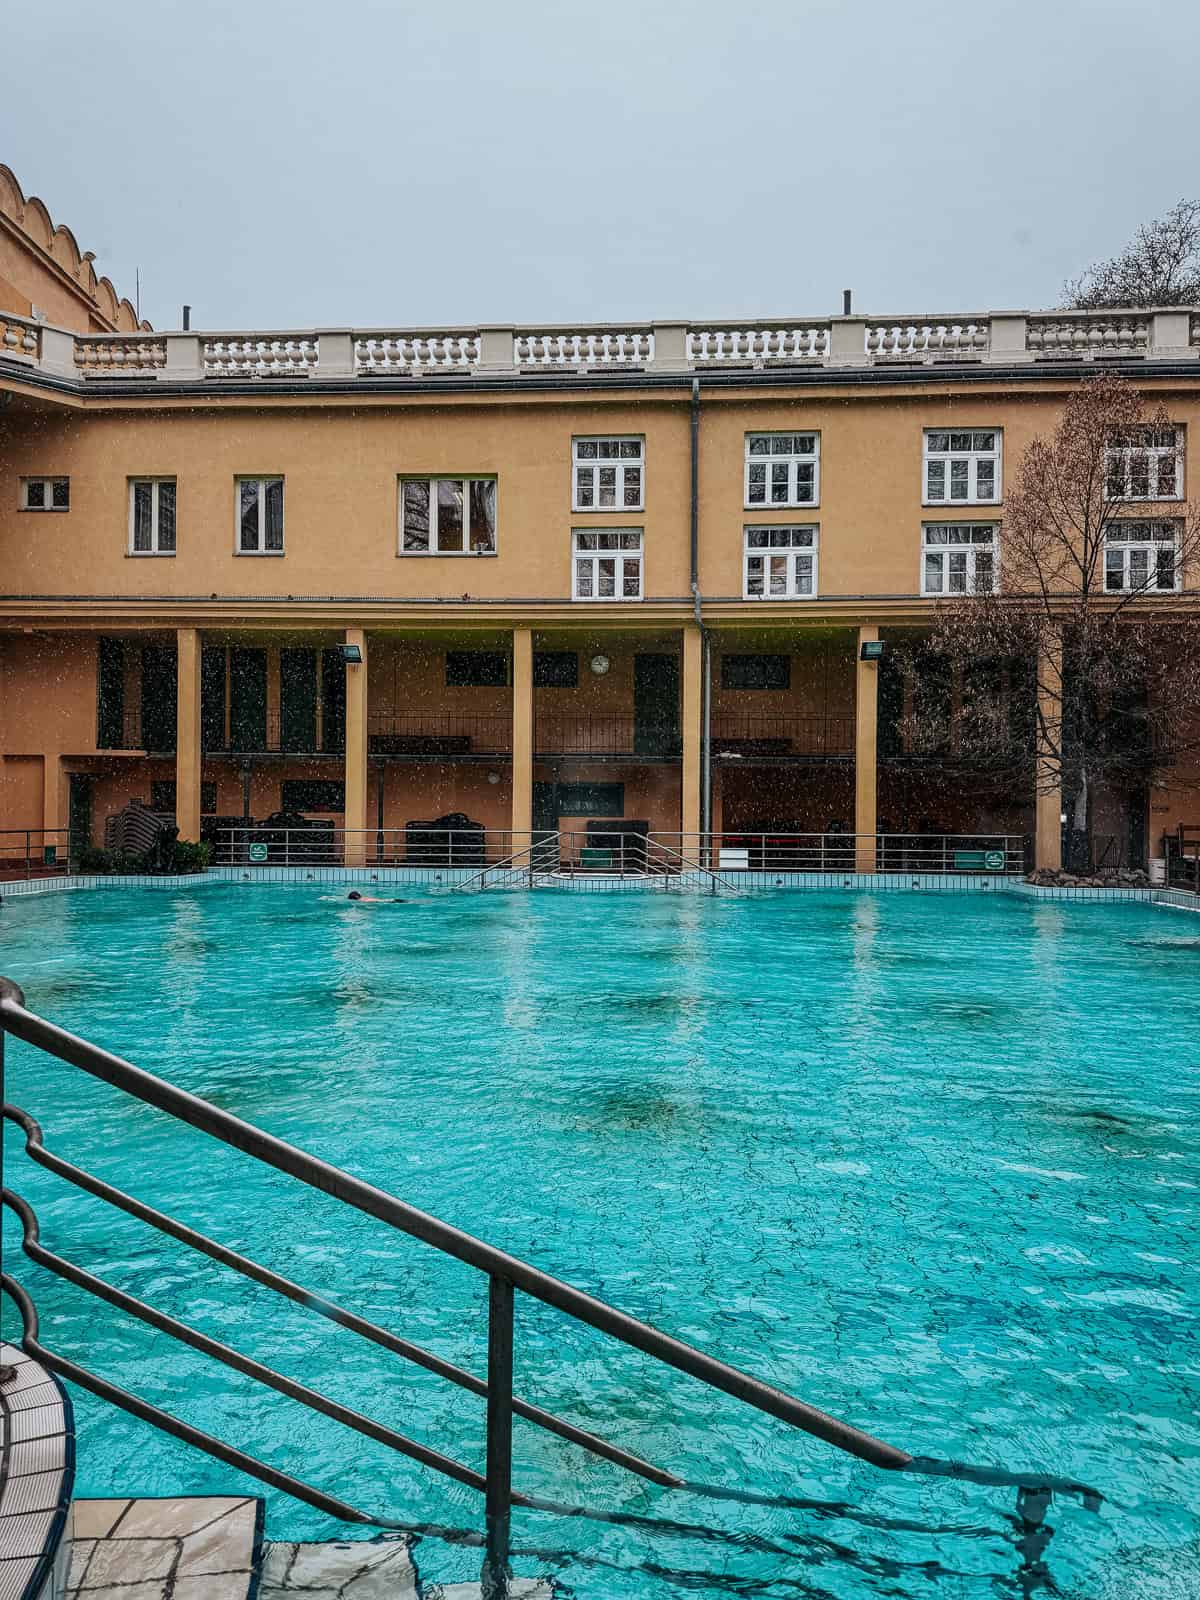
x=137, y=294
x=847, y=297
x=187, y=318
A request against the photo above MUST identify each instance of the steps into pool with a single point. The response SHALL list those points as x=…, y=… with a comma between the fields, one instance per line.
x=365, y=1569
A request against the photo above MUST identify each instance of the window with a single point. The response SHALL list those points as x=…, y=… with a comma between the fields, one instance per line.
x=555, y=669
x=590, y=799
x=756, y=672
x=260, y=516
x=152, y=517
x=958, y=558
x=312, y=794
x=782, y=469
x=1144, y=464
x=780, y=563
x=45, y=494
x=608, y=474
x=447, y=516
x=476, y=669
x=1141, y=557
x=162, y=798
x=607, y=566
x=962, y=466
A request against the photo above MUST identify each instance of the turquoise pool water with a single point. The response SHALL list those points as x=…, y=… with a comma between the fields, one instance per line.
x=929, y=1162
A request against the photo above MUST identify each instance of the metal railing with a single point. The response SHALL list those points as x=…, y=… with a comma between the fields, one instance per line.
x=605, y=735
x=439, y=734
x=34, y=852
x=768, y=850
x=748, y=737
x=507, y=1276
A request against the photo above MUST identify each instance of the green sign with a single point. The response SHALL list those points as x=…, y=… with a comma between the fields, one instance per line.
x=993, y=860
x=258, y=852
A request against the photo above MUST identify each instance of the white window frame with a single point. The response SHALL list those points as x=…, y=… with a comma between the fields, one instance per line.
x=47, y=492
x=261, y=481
x=1123, y=538
x=465, y=480
x=969, y=547
x=626, y=457
x=959, y=462
x=596, y=545
x=789, y=550
x=156, y=484
x=791, y=460
x=1154, y=448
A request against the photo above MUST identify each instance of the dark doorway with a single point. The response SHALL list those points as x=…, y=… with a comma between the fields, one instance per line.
x=656, y=705
x=333, y=700
x=158, y=697
x=545, y=807
x=297, y=700
x=248, y=699
x=79, y=811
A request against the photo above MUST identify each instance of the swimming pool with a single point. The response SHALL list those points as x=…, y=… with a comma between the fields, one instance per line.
x=929, y=1162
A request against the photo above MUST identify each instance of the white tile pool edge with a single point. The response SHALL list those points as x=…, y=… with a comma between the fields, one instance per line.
x=448, y=877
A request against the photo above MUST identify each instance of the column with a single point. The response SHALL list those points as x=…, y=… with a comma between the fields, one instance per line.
x=355, y=820
x=692, y=687
x=189, y=758
x=522, y=736
x=866, y=770
x=1048, y=782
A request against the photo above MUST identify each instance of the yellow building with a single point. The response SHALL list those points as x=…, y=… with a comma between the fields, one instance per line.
x=589, y=574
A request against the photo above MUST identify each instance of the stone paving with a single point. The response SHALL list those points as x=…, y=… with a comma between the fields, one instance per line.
x=194, y=1549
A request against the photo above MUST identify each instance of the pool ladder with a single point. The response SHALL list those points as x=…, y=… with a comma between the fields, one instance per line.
x=507, y=1277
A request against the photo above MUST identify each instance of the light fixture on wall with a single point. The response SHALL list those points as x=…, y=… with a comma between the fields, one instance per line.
x=351, y=654
x=493, y=777
x=600, y=665
x=872, y=650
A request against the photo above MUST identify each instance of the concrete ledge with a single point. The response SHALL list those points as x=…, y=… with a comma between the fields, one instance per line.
x=37, y=1471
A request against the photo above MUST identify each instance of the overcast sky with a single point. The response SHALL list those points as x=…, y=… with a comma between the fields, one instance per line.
x=410, y=162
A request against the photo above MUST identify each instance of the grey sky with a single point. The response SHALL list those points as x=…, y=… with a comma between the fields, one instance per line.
x=345, y=162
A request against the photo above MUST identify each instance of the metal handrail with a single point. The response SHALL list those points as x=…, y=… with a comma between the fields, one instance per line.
x=505, y=1273
x=681, y=863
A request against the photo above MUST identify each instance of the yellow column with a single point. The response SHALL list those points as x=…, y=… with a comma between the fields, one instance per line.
x=1048, y=830
x=692, y=711
x=866, y=771
x=189, y=758
x=355, y=820
x=522, y=736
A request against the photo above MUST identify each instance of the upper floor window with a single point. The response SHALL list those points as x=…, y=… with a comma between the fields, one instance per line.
x=1141, y=557
x=45, y=494
x=958, y=558
x=780, y=563
x=1144, y=464
x=963, y=467
x=756, y=672
x=607, y=566
x=152, y=516
x=783, y=469
x=608, y=474
x=447, y=516
x=260, y=516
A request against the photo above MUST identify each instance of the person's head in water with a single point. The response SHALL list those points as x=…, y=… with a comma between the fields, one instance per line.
x=354, y=895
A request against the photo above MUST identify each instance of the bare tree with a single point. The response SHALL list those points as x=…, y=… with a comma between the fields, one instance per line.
x=1159, y=267
x=1100, y=653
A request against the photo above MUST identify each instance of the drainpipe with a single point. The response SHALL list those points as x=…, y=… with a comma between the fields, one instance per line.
x=697, y=603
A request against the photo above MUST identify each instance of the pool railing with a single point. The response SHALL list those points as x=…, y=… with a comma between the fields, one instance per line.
x=507, y=1276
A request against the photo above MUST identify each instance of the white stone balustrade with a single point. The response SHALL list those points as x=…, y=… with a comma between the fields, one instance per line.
x=19, y=337
x=99, y=355
x=929, y=339
x=586, y=350
x=758, y=344
x=1089, y=333
x=415, y=353
x=504, y=353
x=269, y=355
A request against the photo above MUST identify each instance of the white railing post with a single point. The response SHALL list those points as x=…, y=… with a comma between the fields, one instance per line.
x=670, y=348
x=335, y=353
x=497, y=350
x=847, y=342
x=1171, y=336
x=183, y=364
x=1009, y=343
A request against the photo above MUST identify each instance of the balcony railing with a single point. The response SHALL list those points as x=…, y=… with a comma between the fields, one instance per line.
x=438, y=734
x=605, y=736
x=748, y=738
x=1003, y=338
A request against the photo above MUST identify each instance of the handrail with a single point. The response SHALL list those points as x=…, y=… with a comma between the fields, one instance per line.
x=685, y=864
x=506, y=1273
x=508, y=864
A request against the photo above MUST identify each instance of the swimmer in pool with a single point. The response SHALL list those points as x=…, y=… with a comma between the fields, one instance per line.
x=373, y=900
